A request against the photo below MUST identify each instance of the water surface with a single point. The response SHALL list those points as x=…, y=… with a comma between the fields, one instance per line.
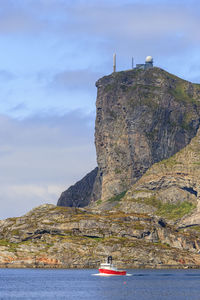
x=82, y=285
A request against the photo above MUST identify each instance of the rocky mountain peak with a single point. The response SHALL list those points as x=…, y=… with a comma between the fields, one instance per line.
x=142, y=117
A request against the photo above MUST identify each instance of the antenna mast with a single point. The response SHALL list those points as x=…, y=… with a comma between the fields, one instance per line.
x=132, y=63
x=114, y=62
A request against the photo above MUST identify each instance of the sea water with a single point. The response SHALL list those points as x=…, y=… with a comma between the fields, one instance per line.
x=83, y=285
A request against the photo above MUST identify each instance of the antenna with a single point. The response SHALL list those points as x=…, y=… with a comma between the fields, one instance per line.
x=114, y=62
x=132, y=63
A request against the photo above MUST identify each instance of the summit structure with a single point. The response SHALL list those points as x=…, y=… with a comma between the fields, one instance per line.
x=147, y=65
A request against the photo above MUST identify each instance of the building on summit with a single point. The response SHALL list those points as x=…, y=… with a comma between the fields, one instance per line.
x=148, y=64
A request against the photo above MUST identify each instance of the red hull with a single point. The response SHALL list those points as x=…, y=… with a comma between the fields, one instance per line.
x=112, y=272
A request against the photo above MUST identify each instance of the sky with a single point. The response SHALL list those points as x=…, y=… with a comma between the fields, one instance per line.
x=51, y=54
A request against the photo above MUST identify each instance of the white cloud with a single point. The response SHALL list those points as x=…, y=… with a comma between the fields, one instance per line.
x=120, y=20
x=18, y=199
x=68, y=43
x=6, y=75
x=75, y=79
x=41, y=156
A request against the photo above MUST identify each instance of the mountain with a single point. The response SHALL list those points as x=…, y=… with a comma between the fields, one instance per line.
x=142, y=117
x=142, y=202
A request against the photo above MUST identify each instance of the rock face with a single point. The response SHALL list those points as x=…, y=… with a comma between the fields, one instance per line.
x=50, y=236
x=80, y=194
x=142, y=117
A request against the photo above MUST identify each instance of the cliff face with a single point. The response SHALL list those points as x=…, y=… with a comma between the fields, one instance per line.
x=142, y=118
x=80, y=194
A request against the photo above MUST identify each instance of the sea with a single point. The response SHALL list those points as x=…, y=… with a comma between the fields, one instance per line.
x=87, y=285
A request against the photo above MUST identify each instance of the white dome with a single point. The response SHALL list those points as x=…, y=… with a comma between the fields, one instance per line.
x=149, y=59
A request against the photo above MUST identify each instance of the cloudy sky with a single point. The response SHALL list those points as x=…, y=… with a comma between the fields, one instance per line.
x=51, y=54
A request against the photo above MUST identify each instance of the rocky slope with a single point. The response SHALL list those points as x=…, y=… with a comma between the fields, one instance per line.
x=142, y=117
x=170, y=188
x=50, y=236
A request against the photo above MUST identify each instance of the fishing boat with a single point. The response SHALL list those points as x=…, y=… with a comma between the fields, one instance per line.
x=108, y=268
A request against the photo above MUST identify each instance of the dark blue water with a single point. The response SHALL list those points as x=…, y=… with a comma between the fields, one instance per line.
x=80, y=284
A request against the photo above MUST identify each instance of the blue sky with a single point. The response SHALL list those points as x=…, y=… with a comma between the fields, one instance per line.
x=52, y=52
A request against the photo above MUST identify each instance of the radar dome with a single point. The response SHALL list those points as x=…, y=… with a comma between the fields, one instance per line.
x=149, y=59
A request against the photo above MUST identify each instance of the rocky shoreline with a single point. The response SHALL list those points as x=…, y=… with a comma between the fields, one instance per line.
x=24, y=265
x=127, y=267
x=57, y=237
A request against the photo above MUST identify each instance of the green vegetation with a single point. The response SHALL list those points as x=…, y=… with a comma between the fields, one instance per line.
x=168, y=210
x=96, y=239
x=187, y=121
x=117, y=197
x=4, y=243
x=78, y=217
x=109, y=87
x=12, y=219
x=117, y=171
x=151, y=201
x=11, y=246
x=162, y=245
x=143, y=191
x=196, y=163
x=180, y=92
x=15, y=232
x=98, y=202
x=168, y=163
x=138, y=226
x=175, y=211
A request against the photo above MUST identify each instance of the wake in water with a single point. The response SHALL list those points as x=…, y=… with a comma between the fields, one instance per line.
x=108, y=275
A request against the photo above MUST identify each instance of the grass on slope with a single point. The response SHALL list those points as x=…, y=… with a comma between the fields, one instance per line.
x=117, y=197
x=181, y=93
x=168, y=210
x=175, y=211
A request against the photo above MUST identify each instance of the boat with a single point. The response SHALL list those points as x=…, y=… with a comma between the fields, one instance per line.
x=108, y=268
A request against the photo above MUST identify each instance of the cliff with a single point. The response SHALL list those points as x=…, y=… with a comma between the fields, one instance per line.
x=79, y=194
x=142, y=117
